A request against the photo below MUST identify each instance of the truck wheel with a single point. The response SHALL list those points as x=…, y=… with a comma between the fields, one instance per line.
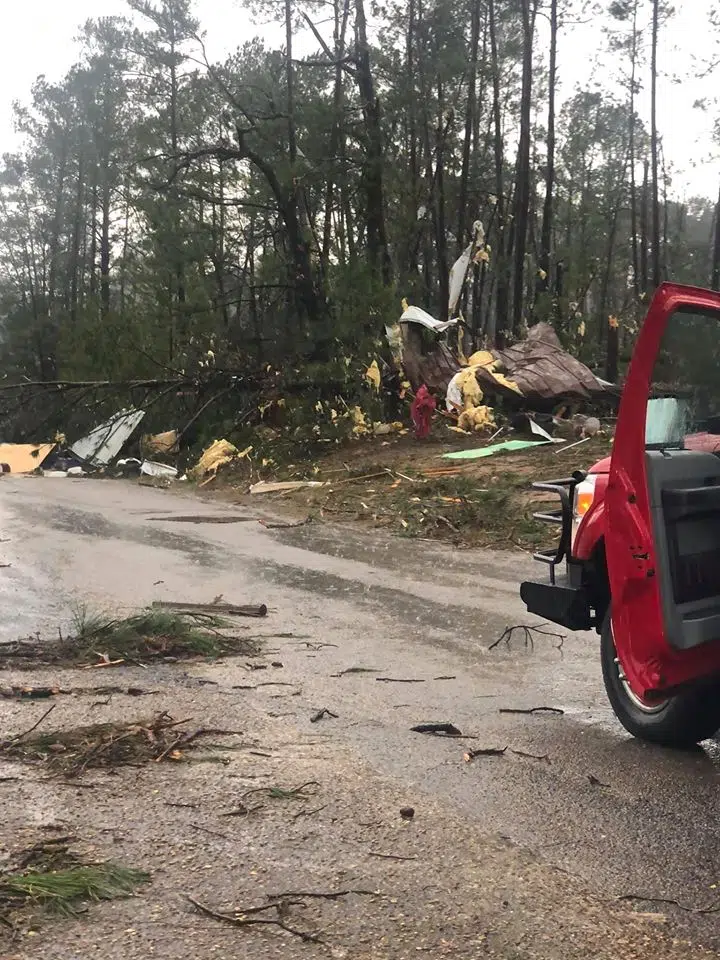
x=682, y=720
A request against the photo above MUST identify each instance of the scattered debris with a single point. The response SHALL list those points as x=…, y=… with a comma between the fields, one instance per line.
x=282, y=486
x=484, y=752
x=226, y=609
x=438, y=729
x=218, y=454
x=321, y=714
x=151, y=468
x=164, y=443
x=72, y=752
x=407, y=813
x=571, y=446
x=104, y=443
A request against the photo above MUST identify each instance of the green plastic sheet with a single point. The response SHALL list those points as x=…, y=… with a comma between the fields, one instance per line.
x=493, y=448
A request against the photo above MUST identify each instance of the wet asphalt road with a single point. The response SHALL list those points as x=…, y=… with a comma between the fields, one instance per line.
x=625, y=817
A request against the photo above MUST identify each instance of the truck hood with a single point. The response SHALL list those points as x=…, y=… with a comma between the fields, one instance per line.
x=602, y=466
x=705, y=442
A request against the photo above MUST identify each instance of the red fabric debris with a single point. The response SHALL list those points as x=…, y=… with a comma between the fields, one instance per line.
x=421, y=411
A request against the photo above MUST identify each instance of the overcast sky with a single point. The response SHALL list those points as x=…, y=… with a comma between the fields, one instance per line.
x=38, y=37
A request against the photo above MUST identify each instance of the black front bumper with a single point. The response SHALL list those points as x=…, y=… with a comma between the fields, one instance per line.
x=564, y=600
x=559, y=603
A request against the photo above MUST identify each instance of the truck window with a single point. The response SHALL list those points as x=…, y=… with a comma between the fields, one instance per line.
x=684, y=403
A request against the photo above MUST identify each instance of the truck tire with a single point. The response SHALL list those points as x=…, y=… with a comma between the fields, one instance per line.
x=680, y=721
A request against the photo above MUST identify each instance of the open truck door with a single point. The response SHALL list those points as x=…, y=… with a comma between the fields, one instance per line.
x=661, y=634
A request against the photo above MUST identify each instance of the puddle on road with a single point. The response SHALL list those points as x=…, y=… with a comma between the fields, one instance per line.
x=80, y=523
x=210, y=518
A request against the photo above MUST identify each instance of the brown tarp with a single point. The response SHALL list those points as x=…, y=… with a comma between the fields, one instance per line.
x=542, y=370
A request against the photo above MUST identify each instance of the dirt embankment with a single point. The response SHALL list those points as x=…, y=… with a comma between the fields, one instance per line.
x=408, y=488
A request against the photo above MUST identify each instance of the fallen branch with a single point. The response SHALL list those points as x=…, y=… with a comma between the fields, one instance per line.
x=243, y=920
x=321, y=714
x=226, y=608
x=321, y=895
x=279, y=793
x=484, y=752
x=309, y=813
x=437, y=729
x=554, y=710
x=528, y=631
x=212, y=833
x=594, y=782
x=675, y=903
x=397, y=680
x=531, y=756
x=19, y=736
x=389, y=856
x=354, y=670
x=285, y=526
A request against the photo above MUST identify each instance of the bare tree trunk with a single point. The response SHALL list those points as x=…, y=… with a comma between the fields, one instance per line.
x=105, y=239
x=289, y=81
x=543, y=283
x=441, y=235
x=501, y=295
x=611, y=356
x=656, y=275
x=336, y=135
x=633, y=187
x=372, y=173
x=76, y=237
x=522, y=167
x=125, y=248
x=93, y=237
x=470, y=111
x=644, y=198
x=412, y=120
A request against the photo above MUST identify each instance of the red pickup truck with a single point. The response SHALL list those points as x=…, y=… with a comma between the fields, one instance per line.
x=638, y=555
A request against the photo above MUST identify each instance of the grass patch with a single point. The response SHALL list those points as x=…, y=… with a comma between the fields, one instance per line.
x=49, y=876
x=98, y=638
x=64, y=890
x=71, y=752
x=490, y=511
